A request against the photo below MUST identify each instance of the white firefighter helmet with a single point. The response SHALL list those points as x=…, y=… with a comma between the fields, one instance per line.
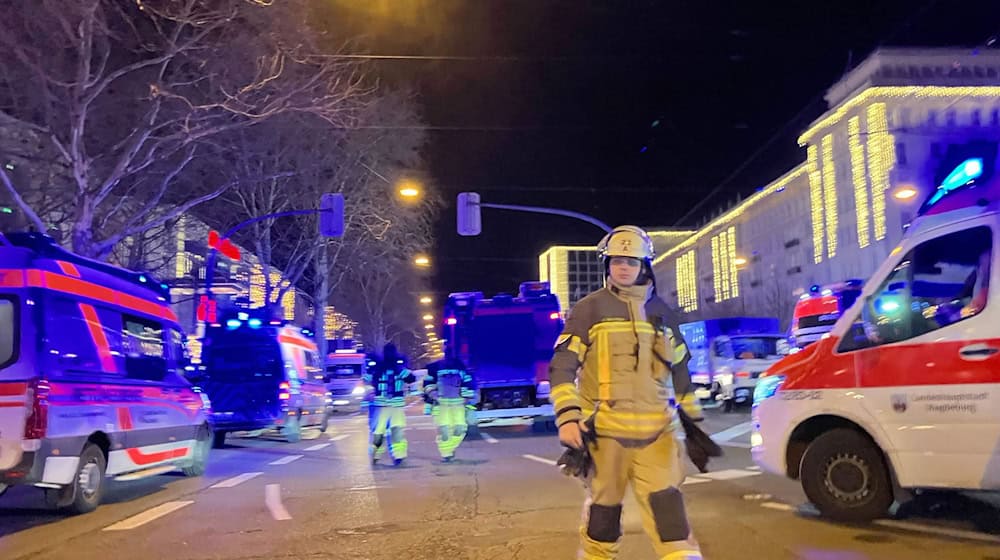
x=626, y=241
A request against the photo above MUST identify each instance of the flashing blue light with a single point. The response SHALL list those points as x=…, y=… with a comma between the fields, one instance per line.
x=968, y=171
x=142, y=277
x=233, y=324
x=766, y=387
x=814, y=288
x=371, y=364
x=254, y=323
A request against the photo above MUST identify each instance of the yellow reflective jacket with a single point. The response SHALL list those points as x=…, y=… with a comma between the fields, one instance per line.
x=627, y=347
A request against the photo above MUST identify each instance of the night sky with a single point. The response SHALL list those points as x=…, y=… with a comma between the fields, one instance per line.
x=631, y=111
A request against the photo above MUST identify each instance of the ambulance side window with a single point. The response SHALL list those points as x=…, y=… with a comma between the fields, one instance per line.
x=145, y=351
x=313, y=369
x=941, y=282
x=80, y=339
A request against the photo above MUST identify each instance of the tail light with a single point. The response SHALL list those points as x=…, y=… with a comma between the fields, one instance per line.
x=743, y=374
x=284, y=391
x=36, y=410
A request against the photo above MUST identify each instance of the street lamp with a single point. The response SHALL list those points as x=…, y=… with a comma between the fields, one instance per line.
x=409, y=190
x=428, y=317
x=429, y=327
x=905, y=192
x=426, y=300
x=422, y=261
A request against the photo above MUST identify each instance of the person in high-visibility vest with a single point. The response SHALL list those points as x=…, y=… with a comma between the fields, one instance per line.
x=627, y=347
x=448, y=386
x=386, y=385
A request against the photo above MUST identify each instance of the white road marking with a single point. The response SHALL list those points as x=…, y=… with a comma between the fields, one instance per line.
x=339, y=437
x=237, y=480
x=272, y=499
x=729, y=474
x=539, y=459
x=942, y=531
x=317, y=447
x=285, y=460
x=151, y=514
x=488, y=438
x=694, y=480
x=733, y=432
x=778, y=506
x=753, y=468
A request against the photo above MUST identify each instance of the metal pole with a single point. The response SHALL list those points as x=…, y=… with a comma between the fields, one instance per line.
x=210, y=266
x=553, y=211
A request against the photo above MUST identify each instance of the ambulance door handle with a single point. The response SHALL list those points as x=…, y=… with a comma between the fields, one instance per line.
x=978, y=351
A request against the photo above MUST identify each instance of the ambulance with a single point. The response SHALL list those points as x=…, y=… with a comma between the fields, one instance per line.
x=817, y=310
x=91, y=358
x=904, y=392
x=262, y=375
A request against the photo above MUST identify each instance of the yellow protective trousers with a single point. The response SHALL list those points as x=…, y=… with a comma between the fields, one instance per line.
x=655, y=471
x=449, y=417
x=390, y=419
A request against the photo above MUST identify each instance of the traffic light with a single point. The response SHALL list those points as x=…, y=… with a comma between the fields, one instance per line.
x=331, y=215
x=470, y=221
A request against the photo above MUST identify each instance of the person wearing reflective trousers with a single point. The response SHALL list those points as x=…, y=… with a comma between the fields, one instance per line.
x=447, y=387
x=386, y=385
x=625, y=342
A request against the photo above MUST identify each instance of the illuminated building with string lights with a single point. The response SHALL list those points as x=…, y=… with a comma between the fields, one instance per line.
x=574, y=271
x=869, y=160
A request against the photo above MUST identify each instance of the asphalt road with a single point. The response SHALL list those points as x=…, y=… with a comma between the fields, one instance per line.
x=502, y=499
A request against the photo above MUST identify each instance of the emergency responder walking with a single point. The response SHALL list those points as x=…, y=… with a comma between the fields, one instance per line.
x=447, y=386
x=627, y=346
x=386, y=383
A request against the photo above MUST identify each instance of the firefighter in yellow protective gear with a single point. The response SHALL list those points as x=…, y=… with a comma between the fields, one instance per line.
x=626, y=344
x=385, y=385
x=447, y=387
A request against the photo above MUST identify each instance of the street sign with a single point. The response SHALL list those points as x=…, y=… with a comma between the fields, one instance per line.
x=470, y=220
x=331, y=215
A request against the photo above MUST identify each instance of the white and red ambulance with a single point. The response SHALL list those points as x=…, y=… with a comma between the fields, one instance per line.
x=904, y=392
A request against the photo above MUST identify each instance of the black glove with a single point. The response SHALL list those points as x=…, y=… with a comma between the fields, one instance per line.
x=579, y=462
x=698, y=444
x=576, y=462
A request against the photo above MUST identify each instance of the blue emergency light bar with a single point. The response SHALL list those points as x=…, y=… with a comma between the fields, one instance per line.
x=966, y=172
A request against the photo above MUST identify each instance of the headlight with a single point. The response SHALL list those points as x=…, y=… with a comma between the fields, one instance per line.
x=358, y=391
x=766, y=387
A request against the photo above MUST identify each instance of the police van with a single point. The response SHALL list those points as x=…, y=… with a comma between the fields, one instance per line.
x=904, y=392
x=261, y=375
x=90, y=376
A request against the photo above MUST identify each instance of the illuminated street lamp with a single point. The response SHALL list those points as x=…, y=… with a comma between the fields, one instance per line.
x=740, y=261
x=410, y=190
x=422, y=261
x=426, y=300
x=428, y=327
x=905, y=193
x=428, y=317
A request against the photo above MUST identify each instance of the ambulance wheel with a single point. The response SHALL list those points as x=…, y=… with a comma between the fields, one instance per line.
x=728, y=405
x=4, y=488
x=293, y=428
x=199, y=460
x=88, y=486
x=324, y=424
x=218, y=439
x=844, y=475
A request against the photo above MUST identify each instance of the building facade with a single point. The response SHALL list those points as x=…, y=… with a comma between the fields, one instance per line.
x=870, y=160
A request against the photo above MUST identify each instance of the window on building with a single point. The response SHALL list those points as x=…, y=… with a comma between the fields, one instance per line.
x=901, y=153
x=931, y=117
x=995, y=117
x=951, y=118
x=939, y=283
x=975, y=117
x=143, y=345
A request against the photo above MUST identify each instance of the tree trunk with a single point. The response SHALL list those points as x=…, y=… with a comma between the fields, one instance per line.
x=320, y=299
